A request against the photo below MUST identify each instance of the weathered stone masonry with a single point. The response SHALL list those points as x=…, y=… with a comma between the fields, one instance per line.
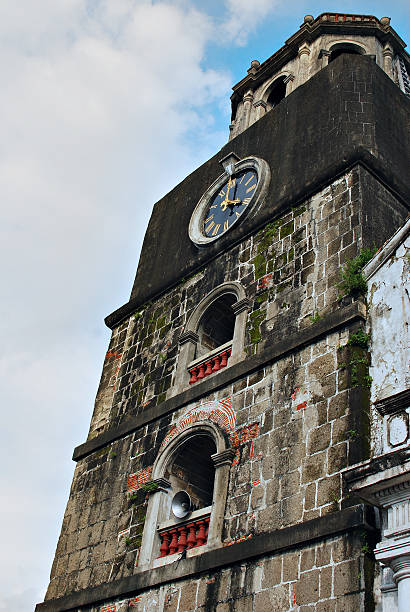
x=292, y=413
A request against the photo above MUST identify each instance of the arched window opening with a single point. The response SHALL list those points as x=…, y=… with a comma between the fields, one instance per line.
x=277, y=93
x=192, y=470
x=217, y=325
x=345, y=49
x=195, y=462
x=214, y=336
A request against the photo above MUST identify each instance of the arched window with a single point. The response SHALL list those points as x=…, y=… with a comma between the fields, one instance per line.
x=277, y=93
x=193, y=471
x=214, y=336
x=345, y=49
x=217, y=324
x=197, y=462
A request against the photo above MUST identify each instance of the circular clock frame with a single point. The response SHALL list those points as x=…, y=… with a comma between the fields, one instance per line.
x=196, y=224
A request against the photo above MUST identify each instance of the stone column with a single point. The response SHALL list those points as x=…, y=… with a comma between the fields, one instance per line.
x=303, y=72
x=240, y=310
x=324, y=56
x=260, y=109
x=394, y=548
x=247, y=107
x=157, y=512
x=222, y=462
x=388, y=60
x=401, y=576
x=187, y=342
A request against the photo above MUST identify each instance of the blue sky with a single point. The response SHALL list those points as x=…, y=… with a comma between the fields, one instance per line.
x=106, y=105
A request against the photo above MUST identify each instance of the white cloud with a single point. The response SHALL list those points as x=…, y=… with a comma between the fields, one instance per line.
x=243, y=17
x=99, y=103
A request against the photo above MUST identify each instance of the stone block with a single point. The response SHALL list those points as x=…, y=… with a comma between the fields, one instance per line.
x=307, y=559
x=322, y=366
x=346, y=577
x=337, y=458
x=257, y=496
x=290, y=566
x=329, y=490
x=326, y=582
x=272, y=572
x=313, y=467
x=307, y=588
x=171, y=600
x=289, y=484
x=323, y=553
x=187, y=600
x=244, y=604
x=269, y=518
x=326, y=606
x=338, y=405
x=319, y=439
x=349, y=603
x=276, y=598
x=310, y=496
x=292, y=509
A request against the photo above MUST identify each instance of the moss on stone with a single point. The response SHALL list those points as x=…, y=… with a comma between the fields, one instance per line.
x=259, y=263
x=256, y=318
x=264, y=238
x=299, y=211
x=287, y=229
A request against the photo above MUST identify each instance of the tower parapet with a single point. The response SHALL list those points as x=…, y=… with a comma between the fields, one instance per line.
x=317, y=43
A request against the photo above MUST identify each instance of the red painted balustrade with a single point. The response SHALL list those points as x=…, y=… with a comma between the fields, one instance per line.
x=179, y=538
x=209, y=366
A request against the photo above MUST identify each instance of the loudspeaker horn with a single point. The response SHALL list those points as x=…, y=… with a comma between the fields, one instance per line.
x=181, y=504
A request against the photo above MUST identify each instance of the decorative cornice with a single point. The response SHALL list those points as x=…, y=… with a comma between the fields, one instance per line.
x=394, y=403
x=271, y=352
x=302, y=534
x=188, y=336
x=223, y=458
x=241, y=305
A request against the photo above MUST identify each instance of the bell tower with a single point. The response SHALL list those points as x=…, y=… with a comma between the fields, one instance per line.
x=235, y=392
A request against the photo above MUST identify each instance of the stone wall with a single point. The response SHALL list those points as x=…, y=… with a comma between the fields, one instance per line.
x=289, y=269
x=327, y=576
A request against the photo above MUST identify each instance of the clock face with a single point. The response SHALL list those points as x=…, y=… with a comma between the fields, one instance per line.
x=230, y=199
x=229, y=202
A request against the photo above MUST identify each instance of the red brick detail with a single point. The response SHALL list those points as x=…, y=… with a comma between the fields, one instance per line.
x=265, y=281
x=137, y=480
x=135, y=601
x=115, y=355
x=244, y=435
x=109, y=608
x=218, y=411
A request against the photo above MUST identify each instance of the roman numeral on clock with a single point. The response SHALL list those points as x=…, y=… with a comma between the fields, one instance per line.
x=216, y=229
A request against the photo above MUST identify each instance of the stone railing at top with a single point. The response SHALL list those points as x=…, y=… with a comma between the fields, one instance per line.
x=184, y=536
x=210, y=363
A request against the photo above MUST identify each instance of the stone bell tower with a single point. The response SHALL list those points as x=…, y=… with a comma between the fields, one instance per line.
x=235, y=392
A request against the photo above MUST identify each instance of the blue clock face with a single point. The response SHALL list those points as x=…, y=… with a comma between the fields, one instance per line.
x=231, y=201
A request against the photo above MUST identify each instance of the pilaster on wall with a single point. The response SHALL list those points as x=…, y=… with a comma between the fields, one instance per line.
x=389, y=489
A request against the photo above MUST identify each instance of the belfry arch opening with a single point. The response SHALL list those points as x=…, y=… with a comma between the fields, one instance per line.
x=192, y=470
x=345, y=49
x=277, y=93
x=217, y=324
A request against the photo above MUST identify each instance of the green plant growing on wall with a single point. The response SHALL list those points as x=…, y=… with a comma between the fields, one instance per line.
x=353, y=281
x=359, y=338
x=149, y=487
x=315, y=317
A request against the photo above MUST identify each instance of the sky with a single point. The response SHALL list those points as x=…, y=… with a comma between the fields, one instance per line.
x=106, y=105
